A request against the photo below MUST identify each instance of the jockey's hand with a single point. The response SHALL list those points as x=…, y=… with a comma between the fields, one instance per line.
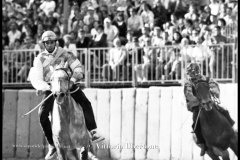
x=39, y=92
x=71, y=83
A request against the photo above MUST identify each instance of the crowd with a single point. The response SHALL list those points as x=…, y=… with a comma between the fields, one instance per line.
x=130, y=24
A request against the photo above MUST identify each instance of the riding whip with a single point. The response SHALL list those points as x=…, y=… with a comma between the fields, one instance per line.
x=197, y=119
x=36, y=106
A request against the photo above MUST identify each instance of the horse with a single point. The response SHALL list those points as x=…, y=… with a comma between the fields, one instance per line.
x=70, y=135
x=216, y=129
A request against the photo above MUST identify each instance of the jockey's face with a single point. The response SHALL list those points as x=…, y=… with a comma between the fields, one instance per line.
x=50, y=45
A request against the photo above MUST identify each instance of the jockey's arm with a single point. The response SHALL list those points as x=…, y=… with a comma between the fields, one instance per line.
x=214, y=88
x=192, y=101
x=36, y=75
x=76, y=67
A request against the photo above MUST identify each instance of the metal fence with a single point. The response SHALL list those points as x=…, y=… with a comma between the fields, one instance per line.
x=139, y=66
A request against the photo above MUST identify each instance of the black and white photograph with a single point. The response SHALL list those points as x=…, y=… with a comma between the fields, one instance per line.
x=119, y=79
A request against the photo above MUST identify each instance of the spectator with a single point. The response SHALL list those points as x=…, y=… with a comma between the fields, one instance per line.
x=48, y=6
x=222, y=24
x=222, y=9
x=90, y=17
x=156, y=38
x=207, y=38
x=71, y=47
x=94, y=29
x=186, y=50
x=25, y=60
x=175, y=72
x=199, y=53
x=215, y=7
x=177, y=38
x=122, y=27
x=146, y=70
x=73, y=35
x=171, y=31
x=194, y=36
x=165, y=39
x=173, y=19
x=135, y=22
x=100, y=41
x=86, y=29
x=217, y=37
x=110, y=30
x=51, y=21
x=145, y=35
x=58, y=33
x=160, y=13
x=115, y=69
x=101, y=38
x=77, y=25
x=147, y=15
x=213, y=20
x=189, y=28
x=204, y=17
x=192, y=11
x=28, y=32
x=14, y=33
x=228, y=17
x=82, y=40
x=5, y=38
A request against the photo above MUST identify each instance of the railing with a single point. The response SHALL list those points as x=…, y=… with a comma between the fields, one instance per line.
x=141, y=66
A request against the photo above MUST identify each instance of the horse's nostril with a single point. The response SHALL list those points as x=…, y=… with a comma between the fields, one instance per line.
x=55, y=95
x=61, y=94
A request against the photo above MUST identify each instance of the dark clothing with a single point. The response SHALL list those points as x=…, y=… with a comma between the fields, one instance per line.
x=86, y=43
x=122, y=28
x=102, y=42
x=61, y=42
x=47, y=107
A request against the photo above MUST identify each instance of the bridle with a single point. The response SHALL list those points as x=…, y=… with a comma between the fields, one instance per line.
x=63, y=94
x=68, y=79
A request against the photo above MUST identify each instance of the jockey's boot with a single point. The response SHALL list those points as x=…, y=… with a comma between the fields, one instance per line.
x=203, y=149
x=51, y=152
x=96, y=137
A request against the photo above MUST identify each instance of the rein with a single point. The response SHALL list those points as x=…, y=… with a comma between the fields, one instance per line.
x=24, y=115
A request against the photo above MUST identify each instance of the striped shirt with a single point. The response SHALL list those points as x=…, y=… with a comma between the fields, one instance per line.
x=41, y=71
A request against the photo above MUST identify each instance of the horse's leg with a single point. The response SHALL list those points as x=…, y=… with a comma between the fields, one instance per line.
x=74, y=153
x=84, y=154
x=225, y=155
x=234, y=144
x=212, y=155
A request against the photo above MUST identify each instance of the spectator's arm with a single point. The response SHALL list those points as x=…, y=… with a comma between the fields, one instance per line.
x=116, y=31
x=123, y=57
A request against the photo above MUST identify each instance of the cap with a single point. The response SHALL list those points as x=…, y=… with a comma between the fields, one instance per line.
x=48, y=35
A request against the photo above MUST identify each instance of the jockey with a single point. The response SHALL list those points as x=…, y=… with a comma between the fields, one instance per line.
x=41, y=80
x=193, y=71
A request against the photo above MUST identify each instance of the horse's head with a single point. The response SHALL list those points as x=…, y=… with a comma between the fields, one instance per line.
x=203, y=95
x=60, y=84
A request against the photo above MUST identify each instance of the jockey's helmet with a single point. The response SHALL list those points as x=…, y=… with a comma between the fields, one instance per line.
x=49, y=36
x=193, y=70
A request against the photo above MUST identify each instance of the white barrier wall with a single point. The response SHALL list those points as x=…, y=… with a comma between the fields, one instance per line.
x=143, y=123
